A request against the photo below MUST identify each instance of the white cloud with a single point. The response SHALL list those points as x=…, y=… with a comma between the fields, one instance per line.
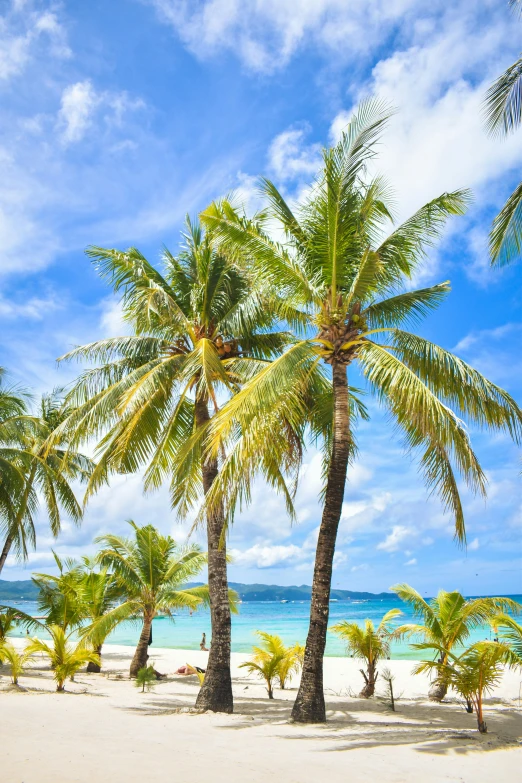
x=393, y=541
x=474, y=545
x=20, y=32
x=484, y=336
x=111, y=321
x=289, y=158
x=361, y=567
x=34, y=308
x=77, y=107
x=411, y=562
x=265, y=35
x=268, y=555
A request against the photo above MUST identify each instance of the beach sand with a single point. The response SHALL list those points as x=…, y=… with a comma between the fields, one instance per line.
x=103, y=729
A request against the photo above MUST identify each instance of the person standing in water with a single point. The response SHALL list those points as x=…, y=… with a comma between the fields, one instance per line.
x=203, y=643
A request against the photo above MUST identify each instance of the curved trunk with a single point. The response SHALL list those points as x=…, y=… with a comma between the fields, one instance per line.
x=437, y=691
x=216, y=692
x=93, y=667
x=309, y=705
x=142, y=650
x=5, y=551
x=370, y=679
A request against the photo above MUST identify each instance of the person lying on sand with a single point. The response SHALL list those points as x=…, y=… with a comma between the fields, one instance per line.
x=187, y=669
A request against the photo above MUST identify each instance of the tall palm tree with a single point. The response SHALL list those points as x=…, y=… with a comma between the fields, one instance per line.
x=201, y=329
x=447, y=622
x=352, y=288
x=150, y=571
x=503, y=111
x=47, y=475
x=369, y=643
x=14, y=425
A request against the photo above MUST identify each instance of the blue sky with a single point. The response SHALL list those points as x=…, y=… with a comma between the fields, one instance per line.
x=120, y=117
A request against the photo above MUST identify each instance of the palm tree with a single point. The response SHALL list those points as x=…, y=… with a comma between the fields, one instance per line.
x=150, y=571
x=61, y=598
x=510, y=632
x=14, y=425
x=370, y=644
x=48, y=473
x=200, y=330
x=267, y=660
x=447, y=622
x=503, y=110
x=15, y=659
x=351, y=288
x=66, y=658
x=101, y=591
x=473, y=674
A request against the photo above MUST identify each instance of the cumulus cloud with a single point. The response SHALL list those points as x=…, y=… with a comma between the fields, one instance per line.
x=395, y=539
x=79, y=103
x=411, y=562
x=266, y=35
x=268, y=555
x=289, y=158
x=34, y=308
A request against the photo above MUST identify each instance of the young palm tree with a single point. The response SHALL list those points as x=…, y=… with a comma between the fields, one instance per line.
x=101, y=591
x=267, y=660
x=150, y=571
x=472, y=674
x=200, y=330
x=370, y=644
x=352, y=288
x=503, y=109
x=447, y=621
x=66, y=658
x=15, y=659
x=61, y=598
x=48, y=473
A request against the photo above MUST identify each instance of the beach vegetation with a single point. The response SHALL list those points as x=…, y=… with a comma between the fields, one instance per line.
x=347, y=289
x=15, y=659
x=368, y=643
x=201, y=328
x=509, y=632
x=11, y=618
x=48, y=474
x=266, y=660
x=150, y=570
x=473, y=674
x=446, y=623
x=66, y=656
x=145, y=678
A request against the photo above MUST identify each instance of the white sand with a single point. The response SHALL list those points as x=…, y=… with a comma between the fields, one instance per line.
x=103, y=729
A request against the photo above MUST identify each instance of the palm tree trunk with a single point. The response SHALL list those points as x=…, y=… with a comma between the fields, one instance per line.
x=437, y=691
x=216, y=692
x=5, y=551
x=92, y=667
x=142, y=650
x=309, y=705
x=481, y=723
x=370, y=679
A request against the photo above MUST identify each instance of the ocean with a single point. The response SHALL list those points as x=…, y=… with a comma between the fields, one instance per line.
x=288, y=620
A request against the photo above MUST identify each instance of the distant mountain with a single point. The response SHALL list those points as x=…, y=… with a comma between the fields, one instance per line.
x=16, y=591
x=260, y=592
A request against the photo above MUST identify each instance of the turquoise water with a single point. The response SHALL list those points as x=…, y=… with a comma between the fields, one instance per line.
x=290, y=621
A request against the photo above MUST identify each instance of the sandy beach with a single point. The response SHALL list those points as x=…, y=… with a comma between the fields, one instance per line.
x=103, y=729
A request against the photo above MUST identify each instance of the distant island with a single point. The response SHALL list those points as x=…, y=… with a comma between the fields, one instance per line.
x=26, y=591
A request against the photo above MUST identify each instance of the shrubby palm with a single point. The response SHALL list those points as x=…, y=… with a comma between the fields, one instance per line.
x=10, y=618
x=47, y=475
x=352, y=289
x=446, y=622
x=200, y=330
x=150, y=571
x=101, y=591
x=15, y=659
x=473, y=674
x=60, y=597
x=267, y=660
x=510, y=632
x=368, y=643
x=66, y=657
